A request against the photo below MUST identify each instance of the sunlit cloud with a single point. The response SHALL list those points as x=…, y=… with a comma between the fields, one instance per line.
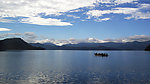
x=5, y=29
x=104, y=19
x=124, y=1
x=139, y=38
x=27, y=36
x=43, y=21
x=135, y=13
x=30, y=10
x=70, y=41
x=75, y=17
x=98, y=13
x=6, y=20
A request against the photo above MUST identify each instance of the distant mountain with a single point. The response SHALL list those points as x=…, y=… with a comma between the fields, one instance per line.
x=87, y=46
x=114, y=46
x=16, y=44
x=50, y=44
x=147, y=48
x=128, y=45
x=19, y=44
x=96, y=46
x=84, y=45
x=47, y=46
x=80, y=46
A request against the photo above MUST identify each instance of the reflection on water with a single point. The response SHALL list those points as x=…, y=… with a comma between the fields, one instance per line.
x=80, y=67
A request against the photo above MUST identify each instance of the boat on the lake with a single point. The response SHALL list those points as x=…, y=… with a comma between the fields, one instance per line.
x=101, y=54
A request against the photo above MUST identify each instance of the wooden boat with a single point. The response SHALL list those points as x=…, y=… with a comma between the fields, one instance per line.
x=101, y=54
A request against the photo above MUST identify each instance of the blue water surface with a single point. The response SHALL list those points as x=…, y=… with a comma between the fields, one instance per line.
x=74, y=67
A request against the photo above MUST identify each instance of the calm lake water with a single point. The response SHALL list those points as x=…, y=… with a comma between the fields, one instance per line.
x=74, y=67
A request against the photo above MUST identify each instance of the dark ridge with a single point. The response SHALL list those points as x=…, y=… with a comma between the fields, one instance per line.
x=16, y=44
x=147, y=48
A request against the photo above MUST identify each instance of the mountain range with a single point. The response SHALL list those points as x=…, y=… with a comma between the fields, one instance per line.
x=19, y=44
x=96, y=46
x=16, y=44
x=73, y=47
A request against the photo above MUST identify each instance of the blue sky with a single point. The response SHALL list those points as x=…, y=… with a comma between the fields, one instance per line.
x=74, y=21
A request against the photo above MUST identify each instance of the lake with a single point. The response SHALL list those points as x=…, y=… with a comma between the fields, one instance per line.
x=74, y=67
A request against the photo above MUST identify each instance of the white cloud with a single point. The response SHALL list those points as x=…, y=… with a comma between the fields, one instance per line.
x=83, y=20
x=27, y=36
x=28, y=8
x=143, y=6
x=5, y=29
x=139, y=38
x=32, y=8
x=56, y=42
x=124, y=1
x=117, y=1
x=70, y=41
x=104, y=19
x=6, y=20
x=133, y=12
x=76, y=10
x=6, y=35
x=73, y=16
x=97, y=13
x=105, y=1
x=43, y=21
x=139, y=15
